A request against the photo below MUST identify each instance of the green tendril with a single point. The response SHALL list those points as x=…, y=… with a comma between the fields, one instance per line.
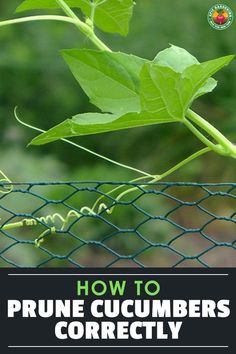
x=84, y=148
x=8, y=188
x=83, y=27
x=53, y=219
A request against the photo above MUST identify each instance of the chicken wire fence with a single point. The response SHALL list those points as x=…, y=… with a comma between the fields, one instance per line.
x=100, y=224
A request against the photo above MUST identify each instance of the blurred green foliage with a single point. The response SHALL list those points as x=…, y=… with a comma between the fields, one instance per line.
x=34, y=77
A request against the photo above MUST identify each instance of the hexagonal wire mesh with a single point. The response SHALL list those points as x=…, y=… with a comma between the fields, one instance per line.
x=161, y=224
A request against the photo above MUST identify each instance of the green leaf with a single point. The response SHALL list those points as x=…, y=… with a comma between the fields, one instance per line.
x=94, y=123
x=169, y=93
x=159, y=92
x=175, y=58
x=209, y=86
x=199, y=76
x=111, y=80
x=28, y=5
x=180, y=59
x=110, y=15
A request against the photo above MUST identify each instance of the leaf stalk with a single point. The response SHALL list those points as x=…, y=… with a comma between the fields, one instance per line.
x=226, y=147
x=83, y=27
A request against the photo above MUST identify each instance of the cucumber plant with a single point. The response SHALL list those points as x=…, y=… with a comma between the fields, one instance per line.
x=129, y=91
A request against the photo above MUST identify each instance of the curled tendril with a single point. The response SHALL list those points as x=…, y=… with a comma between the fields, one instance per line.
x=5, y=188
x=53, y=219
x=64, y=220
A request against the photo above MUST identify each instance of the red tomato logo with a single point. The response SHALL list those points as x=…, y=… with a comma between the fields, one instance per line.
x=220, y=16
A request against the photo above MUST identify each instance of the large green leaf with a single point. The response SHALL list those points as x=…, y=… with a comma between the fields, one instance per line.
x=110, y=15
x=94, y=123
x=137, y=92
x=169, y=93
x=111, y=80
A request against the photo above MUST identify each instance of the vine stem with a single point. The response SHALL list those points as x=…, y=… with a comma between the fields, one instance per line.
x=83, y=27
x=92, y=13
x=146, y=174
x=184, y=162
x=67, y=9
x=227, y=148
x=217, y=148
x=155, y=178
x=38, y=18
x=115, y=190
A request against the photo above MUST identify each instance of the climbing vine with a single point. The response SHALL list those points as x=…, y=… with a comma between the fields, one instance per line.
x=128, y=90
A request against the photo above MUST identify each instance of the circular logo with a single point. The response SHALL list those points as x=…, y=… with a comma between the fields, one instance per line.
x=220, y=17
